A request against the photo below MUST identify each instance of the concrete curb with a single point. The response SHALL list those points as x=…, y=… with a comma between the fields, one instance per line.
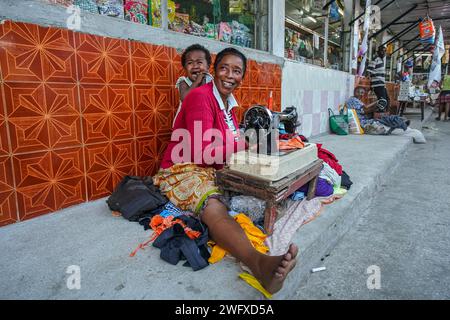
x=318, y=238
x=36, y=253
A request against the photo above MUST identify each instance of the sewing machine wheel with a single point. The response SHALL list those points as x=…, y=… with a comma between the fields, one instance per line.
x=257, y=118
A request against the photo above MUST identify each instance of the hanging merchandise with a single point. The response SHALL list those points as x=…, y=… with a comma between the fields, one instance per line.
x=426, y=30
x=435, y=69
x=66, y=3
x=375, y=18
x=154, y=7
x=180, y=23
x=87, y=5
x=225, y=32
x=334, y=12
x=136, y=11
x=236, y=6
x=362, y=53
x=111, y=8
x=240, y=34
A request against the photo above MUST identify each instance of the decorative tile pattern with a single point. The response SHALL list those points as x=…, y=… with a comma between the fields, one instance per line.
x=82, y=111
x=106, y=165
x=155, y=109
x=32, y=53
x=42, y=116
x=149, y=154
x=107, y=112
x=8, y=210
x=102, y=60
x=152, y=64
x=49, y=181
x=4, y=144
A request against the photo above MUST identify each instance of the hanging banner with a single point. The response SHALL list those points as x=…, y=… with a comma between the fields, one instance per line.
x=375, y=18
x=363, y=49
x=435, y=70
x=316, y=41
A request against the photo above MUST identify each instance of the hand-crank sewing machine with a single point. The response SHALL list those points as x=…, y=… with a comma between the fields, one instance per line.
x=264, y=171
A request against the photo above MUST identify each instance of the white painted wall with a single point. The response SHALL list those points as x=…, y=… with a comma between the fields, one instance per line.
x=312, y=90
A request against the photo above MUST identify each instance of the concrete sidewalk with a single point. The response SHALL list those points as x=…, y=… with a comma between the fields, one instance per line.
x=36, y=254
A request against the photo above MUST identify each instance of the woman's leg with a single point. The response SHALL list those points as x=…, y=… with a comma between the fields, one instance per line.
x=271, y=271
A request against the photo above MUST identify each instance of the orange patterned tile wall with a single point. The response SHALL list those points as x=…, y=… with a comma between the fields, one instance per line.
x=78, y=112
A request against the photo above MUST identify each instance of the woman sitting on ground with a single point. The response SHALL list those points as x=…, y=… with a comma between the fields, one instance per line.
x=209, y=135
x=365, y=112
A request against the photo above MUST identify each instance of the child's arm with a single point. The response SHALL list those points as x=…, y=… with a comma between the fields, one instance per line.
x=185, y=89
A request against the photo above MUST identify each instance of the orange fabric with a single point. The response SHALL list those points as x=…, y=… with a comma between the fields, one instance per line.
x=291, y=144
x=160, y=224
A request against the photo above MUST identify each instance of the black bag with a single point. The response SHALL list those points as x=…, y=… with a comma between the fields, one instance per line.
x=136, y=196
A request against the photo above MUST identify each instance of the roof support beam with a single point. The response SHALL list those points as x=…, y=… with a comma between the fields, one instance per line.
x=393, y=21
x=409, y=51
x=404, y=31
x=436, y=19
x=404, y=45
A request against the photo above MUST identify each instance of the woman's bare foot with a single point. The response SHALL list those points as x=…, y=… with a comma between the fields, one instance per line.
x=275, y=269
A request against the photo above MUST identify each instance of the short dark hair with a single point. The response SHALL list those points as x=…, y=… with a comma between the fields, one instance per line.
x=230, y=51
x=196, y=47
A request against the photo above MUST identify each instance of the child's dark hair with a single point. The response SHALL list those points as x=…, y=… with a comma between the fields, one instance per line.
x=196, y=47
x=230, y=51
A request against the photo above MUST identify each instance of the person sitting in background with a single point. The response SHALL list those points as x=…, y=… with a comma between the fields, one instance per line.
x=365, y=112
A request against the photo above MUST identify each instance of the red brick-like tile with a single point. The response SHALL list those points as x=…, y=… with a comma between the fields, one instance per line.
x=177, y=67
x=152, y=64
x=106, y=165
x=42, y=116
x=4, y=144
x=49, y=181
x=277, y=74
x=29, y=52
x=102, y=60
x=8, y=210
x=107, y=112
x=155, y=108
x=150, y=151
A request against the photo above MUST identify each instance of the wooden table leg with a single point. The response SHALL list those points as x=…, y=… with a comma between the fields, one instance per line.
x=270, y=216
x=312, y=188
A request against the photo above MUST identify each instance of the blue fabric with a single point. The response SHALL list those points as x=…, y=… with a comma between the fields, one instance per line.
x=171, y=210
x=298, y=195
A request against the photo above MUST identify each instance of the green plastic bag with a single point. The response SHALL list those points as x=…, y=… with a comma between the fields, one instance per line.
x=339, y=123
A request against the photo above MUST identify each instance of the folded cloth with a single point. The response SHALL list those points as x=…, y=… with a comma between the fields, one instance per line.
x=291, y=144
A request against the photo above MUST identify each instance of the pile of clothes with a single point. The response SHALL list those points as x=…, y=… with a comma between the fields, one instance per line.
x=181, y=236
x=332, y=179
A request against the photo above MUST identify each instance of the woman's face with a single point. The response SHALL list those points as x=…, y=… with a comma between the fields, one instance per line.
x=229, y=74
x=359, y=93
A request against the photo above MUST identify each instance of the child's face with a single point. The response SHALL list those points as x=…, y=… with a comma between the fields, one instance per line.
x=195, y=64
